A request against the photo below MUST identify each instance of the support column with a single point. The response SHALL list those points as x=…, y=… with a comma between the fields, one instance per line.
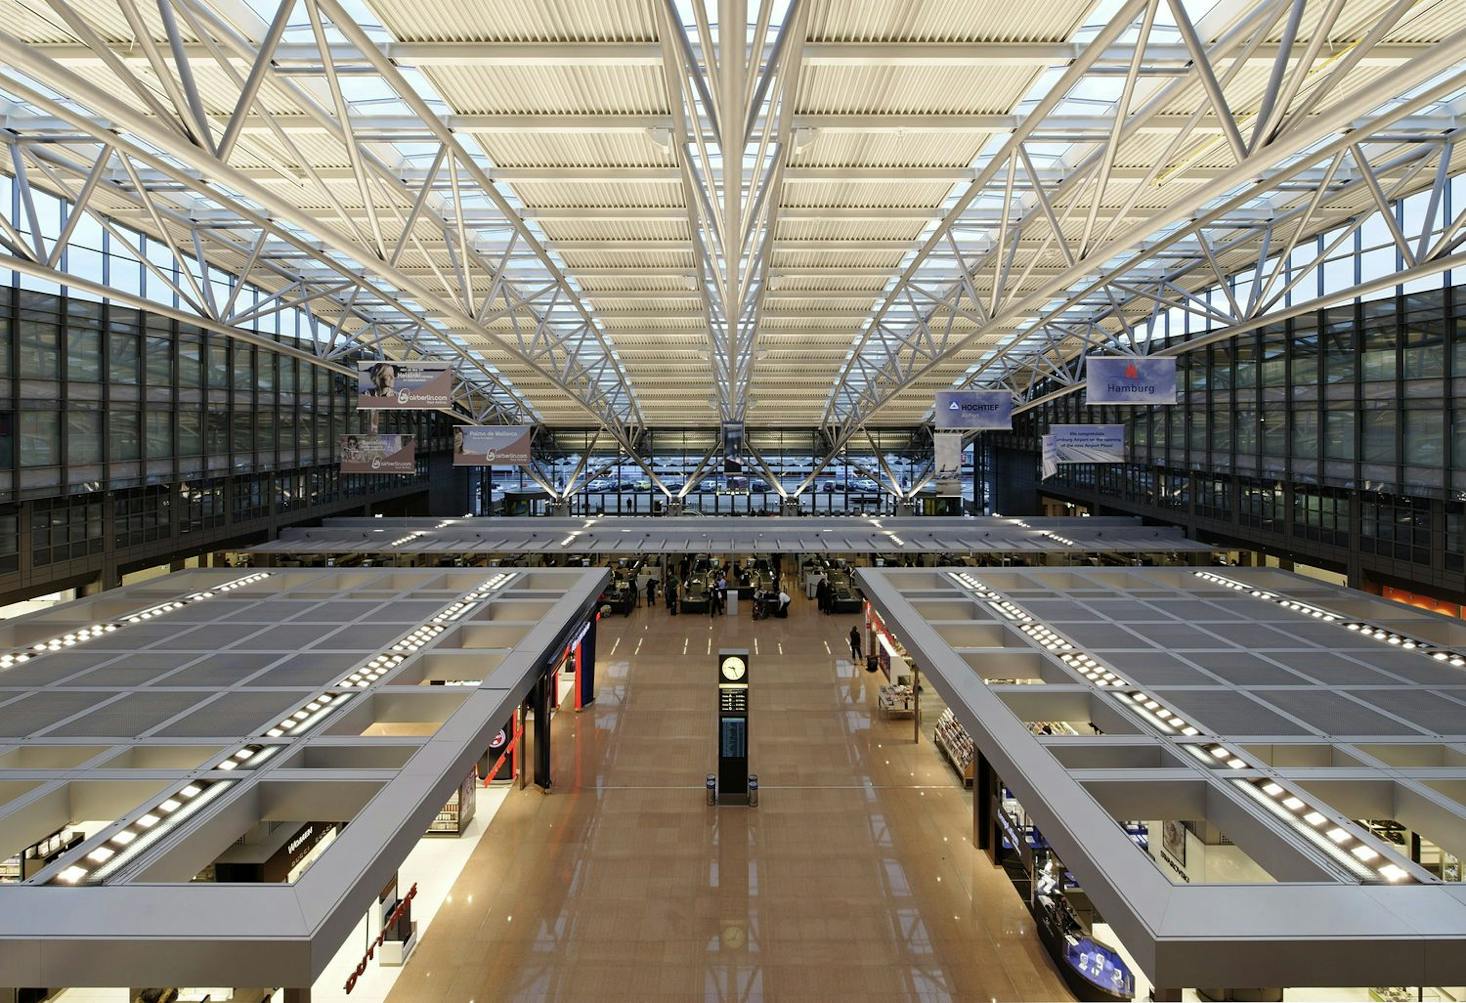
x=519, y=771
x=585, y=670
x=298, y=995
x=916, y=705
x=541, y=697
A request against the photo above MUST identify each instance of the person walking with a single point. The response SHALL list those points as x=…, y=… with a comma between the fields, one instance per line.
x=855, y=645
x=651, y=592
x=672, y=596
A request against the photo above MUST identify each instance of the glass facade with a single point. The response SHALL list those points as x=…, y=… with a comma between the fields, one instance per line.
x=852, y=482
x=119, y=423
x=1344, y=428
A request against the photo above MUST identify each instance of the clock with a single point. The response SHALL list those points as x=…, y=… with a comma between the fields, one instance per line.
x=733, y=668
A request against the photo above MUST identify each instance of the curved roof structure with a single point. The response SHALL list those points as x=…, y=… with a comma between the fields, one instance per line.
x=624, y=212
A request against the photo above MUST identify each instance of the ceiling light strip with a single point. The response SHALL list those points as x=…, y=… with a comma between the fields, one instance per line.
x=128, y=842
x=93, y=866
x=82, y=635
x=1365, y=629
x=1348, y=849
x=1337, y=842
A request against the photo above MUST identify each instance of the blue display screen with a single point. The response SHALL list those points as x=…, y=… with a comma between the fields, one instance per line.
x=1100, y=965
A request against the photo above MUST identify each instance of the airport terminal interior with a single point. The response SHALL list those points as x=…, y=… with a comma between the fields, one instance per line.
x=737, y=500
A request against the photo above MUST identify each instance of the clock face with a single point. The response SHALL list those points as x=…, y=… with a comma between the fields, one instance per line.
x=733, y=668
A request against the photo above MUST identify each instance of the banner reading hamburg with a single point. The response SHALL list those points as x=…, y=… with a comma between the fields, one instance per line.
x=1130, y=379
x=388, y=385
x=491, y=445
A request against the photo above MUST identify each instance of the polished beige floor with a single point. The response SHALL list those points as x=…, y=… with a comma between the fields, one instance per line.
x=855, y=879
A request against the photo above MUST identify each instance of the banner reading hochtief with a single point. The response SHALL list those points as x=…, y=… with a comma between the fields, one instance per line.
x=422, y=386
x=969, y=409
x=1130, y=379
x=491, y=445
x=378, y=454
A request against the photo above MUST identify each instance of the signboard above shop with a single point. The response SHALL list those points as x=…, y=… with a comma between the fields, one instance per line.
x=1130, y=379
x=973, y=409
x=387, y=385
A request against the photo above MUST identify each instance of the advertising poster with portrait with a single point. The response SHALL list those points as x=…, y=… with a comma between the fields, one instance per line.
x=416, y=386
x=378, y=454
x=491, y=445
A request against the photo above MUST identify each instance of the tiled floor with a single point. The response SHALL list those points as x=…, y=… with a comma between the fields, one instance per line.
x=855, y=879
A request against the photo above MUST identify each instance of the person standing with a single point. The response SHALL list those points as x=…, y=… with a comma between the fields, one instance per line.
x=822, y=595
x=651, y=592
x=855, y=645
x=672, y=596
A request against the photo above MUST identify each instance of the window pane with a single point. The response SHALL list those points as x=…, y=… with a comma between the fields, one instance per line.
x=40, y=439
x=126, y=435
x=159, y=434
x=39, y=345
x=160, y=361
x=190, y=433
x=1379, y=436
x=83, y=354
x=1424, y=438
x=190, y=357
x=122, y=355
x=1339, y=435
x=83, y=436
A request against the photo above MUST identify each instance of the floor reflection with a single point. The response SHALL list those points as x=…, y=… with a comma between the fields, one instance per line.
x=855, y=879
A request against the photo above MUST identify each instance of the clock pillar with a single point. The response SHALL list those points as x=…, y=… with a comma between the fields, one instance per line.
x=733, y=726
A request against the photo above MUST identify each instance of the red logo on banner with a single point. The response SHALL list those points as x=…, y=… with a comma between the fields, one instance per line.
x=1132, y=372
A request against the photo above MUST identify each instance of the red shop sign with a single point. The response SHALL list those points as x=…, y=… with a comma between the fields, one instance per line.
x=361, y=966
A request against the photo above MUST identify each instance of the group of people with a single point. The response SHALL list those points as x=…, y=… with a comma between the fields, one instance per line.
x=824, y=596
x=770, y=602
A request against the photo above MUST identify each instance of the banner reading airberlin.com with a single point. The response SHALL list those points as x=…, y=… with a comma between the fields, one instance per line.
x=491, y=445
x=378, y=454
x=1130, y=379
x=422, y=386
x=973, y=409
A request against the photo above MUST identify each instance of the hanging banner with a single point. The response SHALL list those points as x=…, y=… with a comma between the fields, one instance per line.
x=378, y=454
x=947, y=463
x=491, y=445
x=1050, y=460
x=1129, y=379
x=1088, y=443
x=732, y=447
x=422, y=386
x=969, y=409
